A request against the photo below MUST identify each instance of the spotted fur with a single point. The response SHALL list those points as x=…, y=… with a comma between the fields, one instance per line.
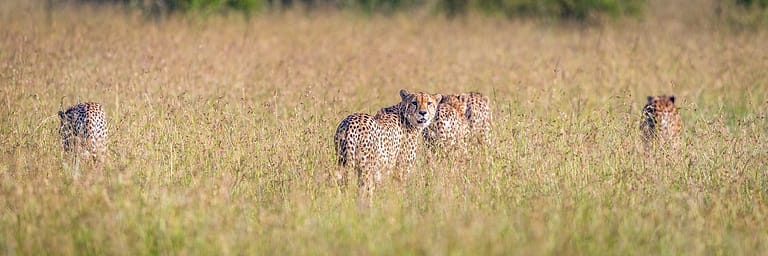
x=84, y=130
x=661, y=122
x=372, y=144
x=450, y=129
x=479, y=116
x=476, y=110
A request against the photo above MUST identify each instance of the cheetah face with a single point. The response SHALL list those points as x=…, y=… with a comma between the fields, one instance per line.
x=419, y=108
x=661, y=103
x=456, y=101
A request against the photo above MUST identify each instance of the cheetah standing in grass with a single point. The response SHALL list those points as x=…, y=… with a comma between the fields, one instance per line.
x=479, y=115
x=84, y=131
x=661, y=122
x=372, y=144
x=475, y=109
x=450, y=128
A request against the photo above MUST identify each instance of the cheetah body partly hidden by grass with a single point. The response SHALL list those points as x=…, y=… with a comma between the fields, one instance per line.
x=461, y=119
x=450, y=128
x=661, y=122
x=83, y=130
x=479, y=116
x=371, y=144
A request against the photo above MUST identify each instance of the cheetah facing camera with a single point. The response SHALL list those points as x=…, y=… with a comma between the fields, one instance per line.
x=450, y=128
x=661, y=122
x=449, y=132
x=84, y=131
x=372, y=144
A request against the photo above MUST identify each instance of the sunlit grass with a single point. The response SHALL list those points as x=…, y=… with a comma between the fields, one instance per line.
x=221, y=136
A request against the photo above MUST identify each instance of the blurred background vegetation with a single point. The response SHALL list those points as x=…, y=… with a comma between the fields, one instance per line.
x=740, y=12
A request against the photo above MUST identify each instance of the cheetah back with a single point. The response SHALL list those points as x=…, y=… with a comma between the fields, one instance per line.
x=84, y=130
x=354, y=141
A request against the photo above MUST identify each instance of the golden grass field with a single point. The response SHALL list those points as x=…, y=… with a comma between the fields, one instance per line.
x=221, y=134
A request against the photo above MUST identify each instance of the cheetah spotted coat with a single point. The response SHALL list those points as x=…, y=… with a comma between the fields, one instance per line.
x=661, y=122
x=373, y=144
x=84, y=130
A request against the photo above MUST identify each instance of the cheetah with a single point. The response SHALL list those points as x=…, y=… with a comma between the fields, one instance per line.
x=477, y=112
x=479, y=116
x=372, y=144
x=84, y=131
x=450, y=128
x=661, y=122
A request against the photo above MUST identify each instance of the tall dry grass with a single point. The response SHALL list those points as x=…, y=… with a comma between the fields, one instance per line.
x=221, y=135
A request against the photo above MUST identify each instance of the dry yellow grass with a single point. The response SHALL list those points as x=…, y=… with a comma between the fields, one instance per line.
x=221, y=135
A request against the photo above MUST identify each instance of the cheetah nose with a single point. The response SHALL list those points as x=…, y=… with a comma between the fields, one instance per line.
x=422, y=112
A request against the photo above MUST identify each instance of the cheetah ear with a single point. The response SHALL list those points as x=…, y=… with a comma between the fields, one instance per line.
x=404, y=94
x=672, y=98
x=650, y=98
x=438, y=97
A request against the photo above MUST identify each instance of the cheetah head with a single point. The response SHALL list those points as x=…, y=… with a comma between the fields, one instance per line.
x=661, y=103
x=419, y=108
x=458, y=102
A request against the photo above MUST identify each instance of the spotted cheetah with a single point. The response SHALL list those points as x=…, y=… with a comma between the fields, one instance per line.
x=84, y=131
x=372, y=144
x=450, y=128
x=661, y=122
x=479, y=116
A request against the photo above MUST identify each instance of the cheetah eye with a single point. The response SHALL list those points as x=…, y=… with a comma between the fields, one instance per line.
x=415, y=103
x=429, y=103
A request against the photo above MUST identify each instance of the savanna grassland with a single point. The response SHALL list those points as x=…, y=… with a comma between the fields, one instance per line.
x=221, y=134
